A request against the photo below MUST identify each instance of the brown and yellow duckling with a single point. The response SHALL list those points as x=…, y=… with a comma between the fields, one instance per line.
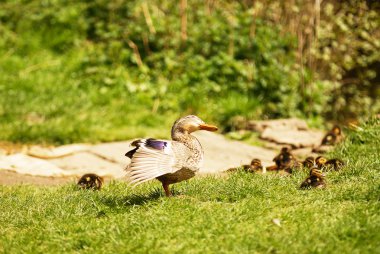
x=309, y=162
x=325, y=164
x=285, y=161
x=255, y=166
x=333, y=137
x=316, y=179
x=90, y=181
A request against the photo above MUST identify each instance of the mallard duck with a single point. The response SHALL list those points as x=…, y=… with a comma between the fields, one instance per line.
x=309, y=162
x=316, y=179
x=90, y=181
x=169, y=161
x=286, y=161
x=333, y=137
x=326, y=164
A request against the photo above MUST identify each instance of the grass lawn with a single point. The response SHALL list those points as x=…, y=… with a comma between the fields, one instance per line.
x=207, y=214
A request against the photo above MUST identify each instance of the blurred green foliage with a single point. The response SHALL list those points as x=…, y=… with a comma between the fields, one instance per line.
x=105, y=70
x=348, y=52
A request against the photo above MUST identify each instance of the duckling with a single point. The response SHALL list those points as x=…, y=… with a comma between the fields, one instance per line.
x=315, y=179
x=333, y=137
x=256, y=166
x=286, y=161
x=309, y=162
x=90, y=181
x=337, y=164
x=323, y=163
x=320, y=161
x=252, y=168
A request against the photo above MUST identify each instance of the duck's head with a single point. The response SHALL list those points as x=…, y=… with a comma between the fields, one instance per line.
x=191, y=123
x=256, y=162
x=336, y=130
x=320, y=161
x=309, y=160
x=314, y=171
x=285, y=149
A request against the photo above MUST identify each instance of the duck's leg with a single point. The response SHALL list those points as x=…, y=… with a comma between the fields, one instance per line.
x=166, y=188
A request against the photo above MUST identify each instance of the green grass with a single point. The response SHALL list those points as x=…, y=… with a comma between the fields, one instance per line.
x=207, y=214
x=45, y=98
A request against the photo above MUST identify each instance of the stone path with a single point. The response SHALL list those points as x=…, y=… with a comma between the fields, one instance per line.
x=107, y=159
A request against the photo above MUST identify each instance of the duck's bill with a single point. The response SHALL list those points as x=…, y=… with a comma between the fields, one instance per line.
x=208, y=127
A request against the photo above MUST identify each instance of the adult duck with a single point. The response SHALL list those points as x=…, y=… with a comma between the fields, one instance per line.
x=169, y=161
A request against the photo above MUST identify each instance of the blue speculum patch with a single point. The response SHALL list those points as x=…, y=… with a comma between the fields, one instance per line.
x=156, y=144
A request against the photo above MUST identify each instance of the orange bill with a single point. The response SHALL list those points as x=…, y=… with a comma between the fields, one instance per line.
x=208, y=127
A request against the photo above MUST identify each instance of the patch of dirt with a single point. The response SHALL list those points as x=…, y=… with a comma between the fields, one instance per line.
x=12, y=178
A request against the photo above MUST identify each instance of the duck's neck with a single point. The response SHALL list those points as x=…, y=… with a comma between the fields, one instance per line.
x=190, y=142
x=186, y=138
x=181, y=135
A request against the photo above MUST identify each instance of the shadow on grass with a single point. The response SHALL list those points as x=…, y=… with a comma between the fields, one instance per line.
x=133, y=199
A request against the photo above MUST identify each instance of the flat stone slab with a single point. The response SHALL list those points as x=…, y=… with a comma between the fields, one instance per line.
x=113, y=151
x=85, y=162
x=56, y=152
x=24, y=164
x=294, y=138
x=286, y=124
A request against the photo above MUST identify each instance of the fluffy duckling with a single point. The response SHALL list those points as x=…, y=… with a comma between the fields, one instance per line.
x=323, y=163
x=316, y=179
x=336, y=164
x=320, y=161
x=90, y=181
x=308, y=162
x=286, y=161
x=333, y=137
x=256, y=166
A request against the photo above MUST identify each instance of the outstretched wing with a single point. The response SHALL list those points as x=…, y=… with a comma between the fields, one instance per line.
x=152, y=158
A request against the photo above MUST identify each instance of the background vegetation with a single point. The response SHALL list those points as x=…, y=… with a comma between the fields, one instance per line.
x=106, y=70
x=207, y=215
